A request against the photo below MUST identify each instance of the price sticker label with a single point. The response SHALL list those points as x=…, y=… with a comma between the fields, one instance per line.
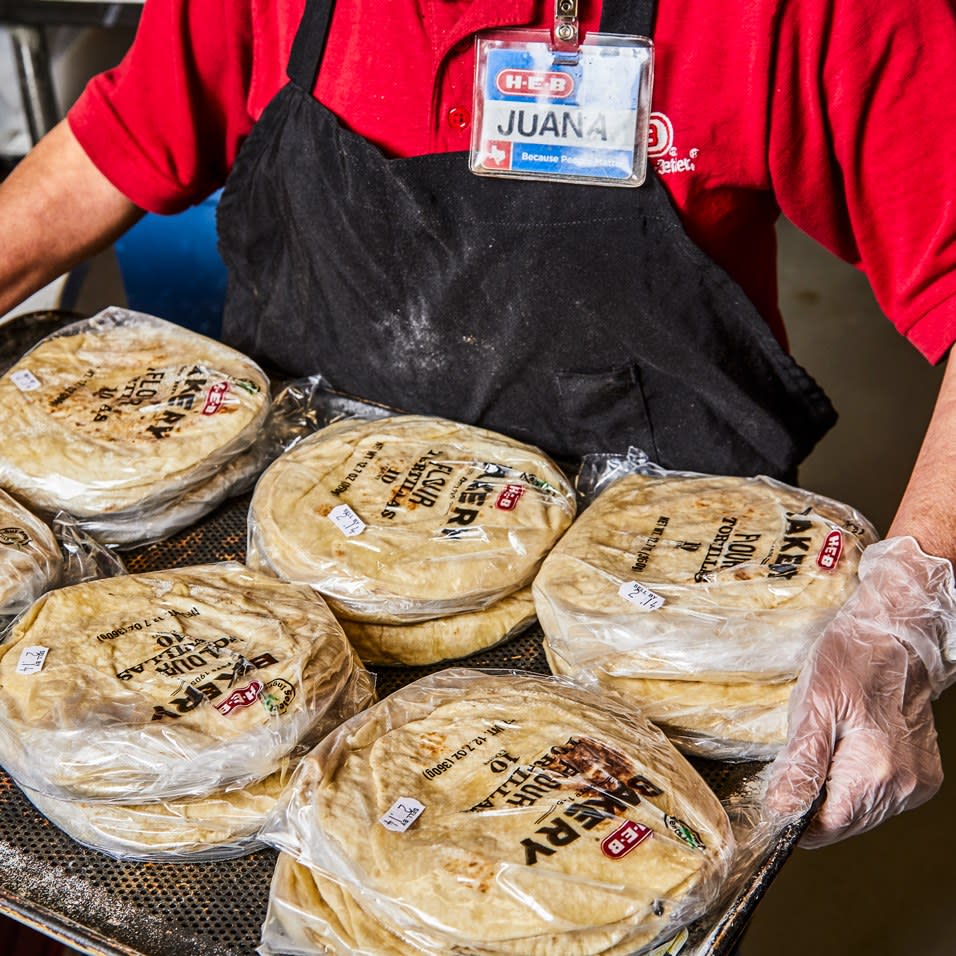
x=32, y=660
x=642, y=597
x=402, y=814
x=25, y=380
x=347, y=521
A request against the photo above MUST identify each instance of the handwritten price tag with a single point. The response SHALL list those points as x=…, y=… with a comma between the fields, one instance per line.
x=25, y=380
x=31, y=660
x=347, y=521
x=403, y=813
x=643, y=597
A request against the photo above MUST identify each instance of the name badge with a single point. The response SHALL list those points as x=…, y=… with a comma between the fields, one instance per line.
x=543, y=113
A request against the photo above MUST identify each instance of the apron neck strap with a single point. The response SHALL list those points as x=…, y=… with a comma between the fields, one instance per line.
x=634, y=17
x=628, y=17
x=309, y=44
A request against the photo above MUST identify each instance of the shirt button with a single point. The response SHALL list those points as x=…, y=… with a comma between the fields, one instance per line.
x=459, y=118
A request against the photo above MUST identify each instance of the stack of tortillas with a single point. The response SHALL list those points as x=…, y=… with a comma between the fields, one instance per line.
x=186, y=688
x=493, y=813
x=30, y=559
x=124, y=419
x=422, y=534
x=698, y=597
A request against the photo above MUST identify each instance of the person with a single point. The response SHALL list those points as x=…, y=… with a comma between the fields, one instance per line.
x=582, y=318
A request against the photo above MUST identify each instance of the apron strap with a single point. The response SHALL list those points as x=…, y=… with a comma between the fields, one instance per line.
x=628, y=17
x=309, y=44
x=617, y=16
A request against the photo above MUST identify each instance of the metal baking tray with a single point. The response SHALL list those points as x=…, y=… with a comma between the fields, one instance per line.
x=102, y=906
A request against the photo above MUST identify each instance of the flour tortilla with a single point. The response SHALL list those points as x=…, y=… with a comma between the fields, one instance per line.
x=312, y=914
x=309, y=913
x=217, y=826
x=444, y=638
x=124, y=411
x=736, y=562
x=744, y=721
x=171, y=683
x=453, y=518
x=30, y=559
x=153, y=523
x=522, y=779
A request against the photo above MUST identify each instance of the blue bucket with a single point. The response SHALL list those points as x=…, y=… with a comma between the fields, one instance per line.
x=171, y=268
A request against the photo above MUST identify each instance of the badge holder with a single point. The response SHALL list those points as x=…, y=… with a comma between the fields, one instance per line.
x=551, y=107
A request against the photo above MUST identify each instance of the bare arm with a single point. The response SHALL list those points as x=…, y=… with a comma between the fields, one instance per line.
x=926, y=511
x=56, y=209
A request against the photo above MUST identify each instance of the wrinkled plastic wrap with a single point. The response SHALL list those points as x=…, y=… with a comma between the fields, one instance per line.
x=739, y=721
x=115, y=418
x=487, y=812
x=672, y=581
x=220, y=825
x=35, y=558
x=408, y=518
x=307, y=405
x=443, y=638
x=30, y=559
x=170, y=684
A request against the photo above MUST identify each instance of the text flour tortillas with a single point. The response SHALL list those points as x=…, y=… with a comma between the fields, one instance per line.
x=699, y=578
x=123, y=411
x=408, y=518
x=170, y=683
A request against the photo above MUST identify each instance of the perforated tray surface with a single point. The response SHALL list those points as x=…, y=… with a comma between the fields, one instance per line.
x=102, y=906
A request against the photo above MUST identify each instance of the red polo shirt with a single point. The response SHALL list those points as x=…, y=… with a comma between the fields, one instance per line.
x=839, y=113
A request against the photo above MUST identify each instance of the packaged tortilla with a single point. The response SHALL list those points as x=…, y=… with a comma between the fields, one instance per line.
x=442, y=638
x=170, y=684
x=495, y=813
x=408, y=518
x=114, y=417
x=746, y=720
x=697, y=598
x=698, y=577
x=220, y=825
x=30, y=559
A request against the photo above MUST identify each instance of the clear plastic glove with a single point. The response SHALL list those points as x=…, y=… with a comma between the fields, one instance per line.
x=860, y=717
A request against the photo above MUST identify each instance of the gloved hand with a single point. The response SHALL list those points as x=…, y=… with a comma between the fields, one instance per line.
x=860, y=716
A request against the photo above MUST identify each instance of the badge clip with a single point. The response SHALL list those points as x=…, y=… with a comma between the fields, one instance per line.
x=565, y=34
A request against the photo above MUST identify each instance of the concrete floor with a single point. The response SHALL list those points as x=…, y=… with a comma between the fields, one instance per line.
x=890, y=891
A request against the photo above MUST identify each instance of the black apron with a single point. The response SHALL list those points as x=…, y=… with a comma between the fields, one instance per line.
x=578, y=318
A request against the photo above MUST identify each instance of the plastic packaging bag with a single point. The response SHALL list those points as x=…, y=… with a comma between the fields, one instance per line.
x=35, y=558
x=30, y=559
x=685, y=578
x=443, y=638
x=496, y=813
x=220, y=825
x=408, y=518
x=170, y=684
x=113, y=419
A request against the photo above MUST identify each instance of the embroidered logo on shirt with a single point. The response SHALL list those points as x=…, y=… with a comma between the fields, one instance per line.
x=662, y=151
